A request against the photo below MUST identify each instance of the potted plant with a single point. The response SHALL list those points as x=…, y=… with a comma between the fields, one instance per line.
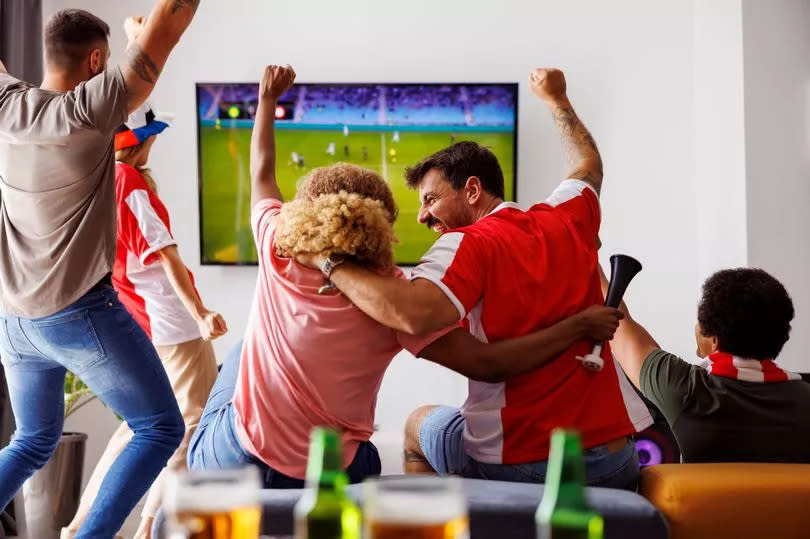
x=51, y=495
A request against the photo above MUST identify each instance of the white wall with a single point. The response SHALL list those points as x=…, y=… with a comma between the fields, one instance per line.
x=630, y=66
x=777, y=133
x=719, y=136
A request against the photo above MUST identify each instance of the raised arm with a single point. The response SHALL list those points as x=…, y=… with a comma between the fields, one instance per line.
x=151, y=41
x=496, y=362
x=586, y=164
x=275, y=81
x=632, y=343
x=211, y=323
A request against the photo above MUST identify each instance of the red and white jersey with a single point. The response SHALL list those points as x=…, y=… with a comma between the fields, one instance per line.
x=514, y=272
x=142, y=284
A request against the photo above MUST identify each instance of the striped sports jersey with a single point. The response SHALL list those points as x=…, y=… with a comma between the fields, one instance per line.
x=514, y=272
x=142, y=284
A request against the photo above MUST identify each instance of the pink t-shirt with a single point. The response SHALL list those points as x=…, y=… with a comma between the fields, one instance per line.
x=308, y=360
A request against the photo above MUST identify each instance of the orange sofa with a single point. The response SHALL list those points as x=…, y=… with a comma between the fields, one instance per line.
x=730, y=500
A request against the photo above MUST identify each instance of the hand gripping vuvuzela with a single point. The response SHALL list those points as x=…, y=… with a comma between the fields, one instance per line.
x=622, y=270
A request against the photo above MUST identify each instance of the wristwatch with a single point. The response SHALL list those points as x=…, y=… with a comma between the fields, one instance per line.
x=332, y=261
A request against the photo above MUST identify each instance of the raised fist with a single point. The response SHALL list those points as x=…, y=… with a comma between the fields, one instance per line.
x=275, y=81
x=212, y=325
x=548, y=84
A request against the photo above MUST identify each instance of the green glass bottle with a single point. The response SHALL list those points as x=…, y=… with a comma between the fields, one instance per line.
x=325, y=511
x=563, y=513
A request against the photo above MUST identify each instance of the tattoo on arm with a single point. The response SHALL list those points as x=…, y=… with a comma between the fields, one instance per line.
x=142, y=64
x=579, y=143
x=180, y=4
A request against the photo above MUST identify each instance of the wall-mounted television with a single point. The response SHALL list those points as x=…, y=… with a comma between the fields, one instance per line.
x=385, y=127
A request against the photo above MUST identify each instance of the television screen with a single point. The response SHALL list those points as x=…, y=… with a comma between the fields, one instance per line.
x=385, y=127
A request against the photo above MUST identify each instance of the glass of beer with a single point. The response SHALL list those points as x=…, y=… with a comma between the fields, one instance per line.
x=213, y=504
x=415, y=508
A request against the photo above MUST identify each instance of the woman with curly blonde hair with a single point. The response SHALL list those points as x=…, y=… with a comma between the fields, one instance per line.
x=344, y=210
x=310, y=357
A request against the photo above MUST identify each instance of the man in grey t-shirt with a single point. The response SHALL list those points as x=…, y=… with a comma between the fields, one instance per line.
x=58, y=311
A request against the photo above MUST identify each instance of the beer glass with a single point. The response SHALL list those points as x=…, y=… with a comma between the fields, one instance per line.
x=415, y=508
x=213, y=504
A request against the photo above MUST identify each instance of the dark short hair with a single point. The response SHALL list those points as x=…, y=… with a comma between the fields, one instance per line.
x=70, y=36
x=458, y=163
x=749, y=312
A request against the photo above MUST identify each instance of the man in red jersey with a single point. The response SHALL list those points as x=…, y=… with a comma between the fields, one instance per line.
x=507, y=272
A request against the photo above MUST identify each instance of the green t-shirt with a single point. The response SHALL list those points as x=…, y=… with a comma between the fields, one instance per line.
x=718, y=419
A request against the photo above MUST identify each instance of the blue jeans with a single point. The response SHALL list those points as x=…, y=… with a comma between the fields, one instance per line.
x=215, y=444
x=99, y=341
x=442, y=443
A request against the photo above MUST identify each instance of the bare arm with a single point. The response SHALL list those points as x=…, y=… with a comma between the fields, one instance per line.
x=496, y=362
x=2, y=67
x=586, y=164
x=276, y=81
x=416, y=307
x=151, y=42
x=632, y=343
x=211, y=324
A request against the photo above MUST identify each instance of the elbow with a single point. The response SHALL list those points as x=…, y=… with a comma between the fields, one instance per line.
x=416, y=321
x=594, y=168
x=414, y=325
x=589, y=170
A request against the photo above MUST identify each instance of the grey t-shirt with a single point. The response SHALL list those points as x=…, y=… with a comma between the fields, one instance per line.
x=57, y=191
x=718, y=419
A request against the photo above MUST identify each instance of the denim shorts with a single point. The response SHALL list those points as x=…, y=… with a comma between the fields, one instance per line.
x=441, y=438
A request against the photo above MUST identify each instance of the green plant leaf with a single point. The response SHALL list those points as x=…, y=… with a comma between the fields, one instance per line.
x=77, y=394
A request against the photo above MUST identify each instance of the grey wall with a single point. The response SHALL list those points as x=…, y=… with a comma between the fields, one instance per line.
x=21, y=38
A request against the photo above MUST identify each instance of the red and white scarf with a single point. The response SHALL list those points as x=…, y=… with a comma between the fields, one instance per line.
x=747, y=370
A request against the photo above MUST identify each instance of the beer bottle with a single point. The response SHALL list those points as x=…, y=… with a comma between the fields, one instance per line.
x=325, y=511
x=563, y=512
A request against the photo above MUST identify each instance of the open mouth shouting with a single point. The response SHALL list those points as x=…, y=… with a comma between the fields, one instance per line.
x=436, y=225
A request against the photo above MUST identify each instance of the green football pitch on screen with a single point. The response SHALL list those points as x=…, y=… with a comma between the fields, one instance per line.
x=225, y=179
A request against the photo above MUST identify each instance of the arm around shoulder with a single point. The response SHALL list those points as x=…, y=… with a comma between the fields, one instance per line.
x=416, y=307
x=496, y=362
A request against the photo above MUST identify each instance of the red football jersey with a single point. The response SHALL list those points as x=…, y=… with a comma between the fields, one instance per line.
x=514, y=272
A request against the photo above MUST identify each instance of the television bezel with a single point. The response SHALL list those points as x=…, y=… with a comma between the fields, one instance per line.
x=197, y=86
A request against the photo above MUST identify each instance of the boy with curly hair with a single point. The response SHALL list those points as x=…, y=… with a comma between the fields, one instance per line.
x=737, y=405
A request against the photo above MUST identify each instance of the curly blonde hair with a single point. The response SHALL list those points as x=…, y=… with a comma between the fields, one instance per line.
x=341, y=209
